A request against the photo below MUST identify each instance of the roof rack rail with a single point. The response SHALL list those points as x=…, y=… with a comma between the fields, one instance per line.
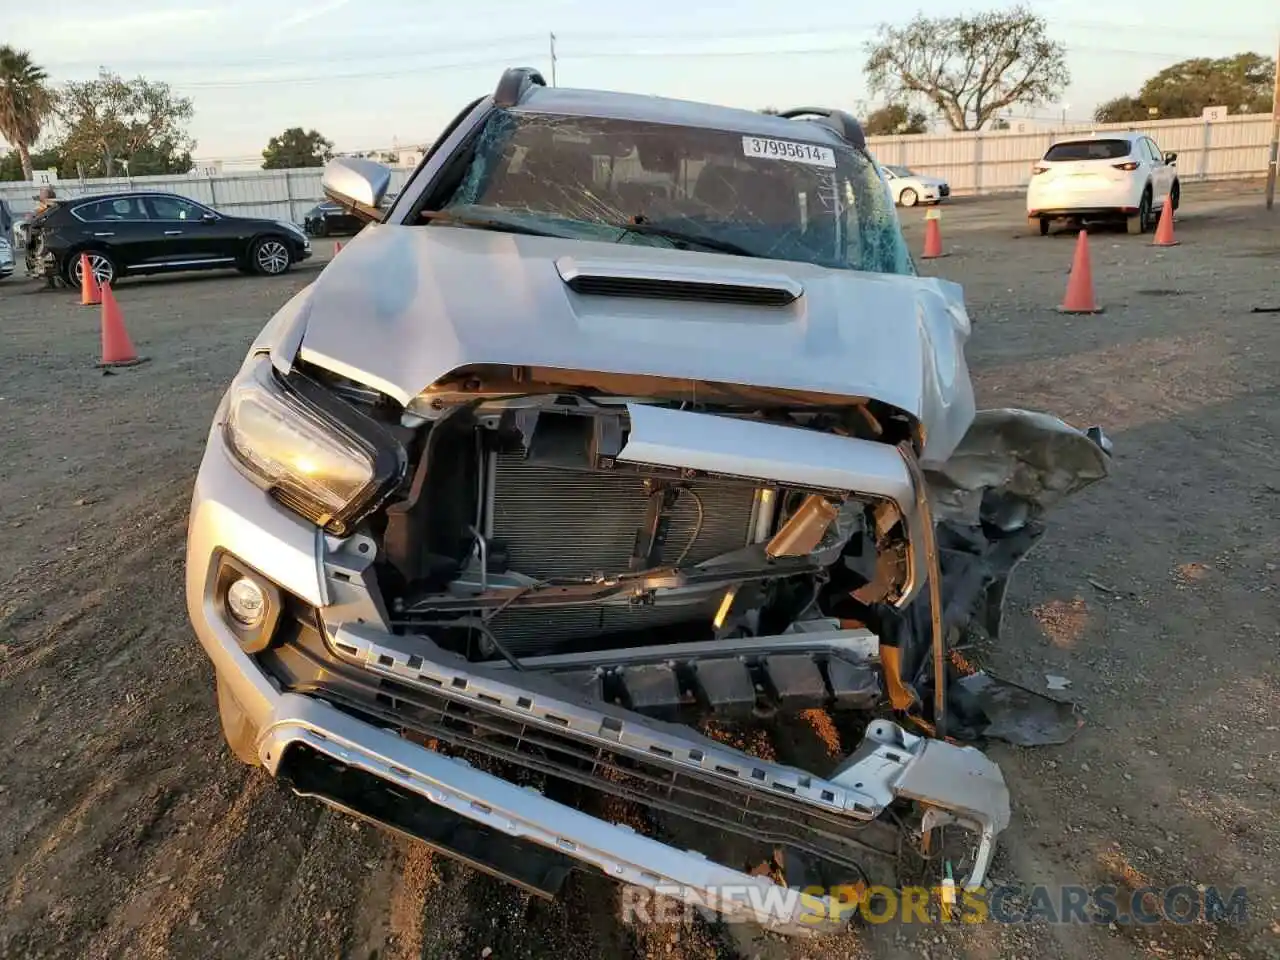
x=842, y=123
x=515, y=83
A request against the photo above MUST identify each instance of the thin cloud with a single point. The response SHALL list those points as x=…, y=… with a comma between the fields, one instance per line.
x=305, y=15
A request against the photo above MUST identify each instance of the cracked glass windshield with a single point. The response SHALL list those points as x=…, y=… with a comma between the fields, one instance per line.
x=691, y=188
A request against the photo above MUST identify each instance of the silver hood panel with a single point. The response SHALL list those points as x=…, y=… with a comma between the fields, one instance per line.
x=402, y=307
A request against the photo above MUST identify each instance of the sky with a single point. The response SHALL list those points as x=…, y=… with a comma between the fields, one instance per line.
x=393, y=73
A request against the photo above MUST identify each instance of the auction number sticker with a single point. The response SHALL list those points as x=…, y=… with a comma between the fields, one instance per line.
x=809, y=153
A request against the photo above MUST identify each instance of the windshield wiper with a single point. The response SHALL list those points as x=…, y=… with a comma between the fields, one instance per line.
x=685, y=237
x=487, y=223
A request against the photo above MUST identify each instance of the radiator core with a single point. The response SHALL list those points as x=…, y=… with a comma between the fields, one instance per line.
x=554, y=522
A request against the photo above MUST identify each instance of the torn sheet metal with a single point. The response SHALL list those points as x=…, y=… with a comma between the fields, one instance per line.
x=1016, y=714
x=1013, y=465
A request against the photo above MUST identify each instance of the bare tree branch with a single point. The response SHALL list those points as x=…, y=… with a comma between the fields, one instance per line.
x=968, y=68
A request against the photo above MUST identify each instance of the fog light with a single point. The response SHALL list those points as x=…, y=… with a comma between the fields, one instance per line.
x=246, y=602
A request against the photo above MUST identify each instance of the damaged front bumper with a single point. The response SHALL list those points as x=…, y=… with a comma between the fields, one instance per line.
x=349, y=751
x=890, y=764
x=301, y=732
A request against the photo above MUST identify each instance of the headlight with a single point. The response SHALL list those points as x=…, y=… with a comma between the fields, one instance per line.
x=316, y=454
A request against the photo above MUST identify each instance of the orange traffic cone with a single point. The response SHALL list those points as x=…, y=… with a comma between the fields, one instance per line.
x=90, y=292
x=932, y=236
x=1079, y=298
x=1164, y=230
x=117, y=349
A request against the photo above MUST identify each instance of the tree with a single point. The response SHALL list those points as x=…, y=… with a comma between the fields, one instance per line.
x=1124, y=109
x=11, y=164
x=26, y=102
x=1242, y=84
x=896, y=118
x=138, y=123
x=968, y=68
x=296, y=148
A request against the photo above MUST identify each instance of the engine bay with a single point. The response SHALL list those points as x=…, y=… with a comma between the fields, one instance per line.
x=522, y=532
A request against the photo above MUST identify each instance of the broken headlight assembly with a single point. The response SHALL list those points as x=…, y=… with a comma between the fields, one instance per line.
x=317, y=455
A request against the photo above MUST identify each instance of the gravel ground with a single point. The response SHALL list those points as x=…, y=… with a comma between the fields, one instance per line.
x=127, y=830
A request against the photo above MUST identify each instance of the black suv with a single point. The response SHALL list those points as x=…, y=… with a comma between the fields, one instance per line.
x=137, y=233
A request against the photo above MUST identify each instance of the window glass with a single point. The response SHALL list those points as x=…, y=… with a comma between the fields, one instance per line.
x=1088, y=150
x=174, y=208
x=115, y=210
x=592, y=177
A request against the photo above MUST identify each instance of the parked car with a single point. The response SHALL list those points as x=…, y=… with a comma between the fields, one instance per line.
x=910, y=188
x=6, y=239
x=615, y=426
x=1111, y=176
x=329, y=219
x=143, y=232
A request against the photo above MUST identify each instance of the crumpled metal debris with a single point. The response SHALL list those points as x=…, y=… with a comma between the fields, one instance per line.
x=1014, y=465
x=1016, y=714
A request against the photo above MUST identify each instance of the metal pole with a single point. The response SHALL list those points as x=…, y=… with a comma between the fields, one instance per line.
x=1275, y=137
x=553, y=59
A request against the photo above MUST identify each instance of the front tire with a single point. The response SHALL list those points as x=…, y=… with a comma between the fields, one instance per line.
x=908, y=197
x=1039, y=223
x=103, y=267
x=270, y=256
x=1175, y=194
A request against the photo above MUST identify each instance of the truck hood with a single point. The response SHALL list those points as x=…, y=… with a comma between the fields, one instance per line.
x=402, y=307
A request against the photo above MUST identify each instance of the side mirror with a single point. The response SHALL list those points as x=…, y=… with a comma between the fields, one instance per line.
x=208, y=218
x=1170, y=158
x=356, y=185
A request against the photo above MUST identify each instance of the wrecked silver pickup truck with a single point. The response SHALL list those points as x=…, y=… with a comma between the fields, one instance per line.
x=629, y=424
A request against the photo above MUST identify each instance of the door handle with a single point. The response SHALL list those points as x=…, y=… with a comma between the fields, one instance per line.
x=173, y=233
x=107, y=234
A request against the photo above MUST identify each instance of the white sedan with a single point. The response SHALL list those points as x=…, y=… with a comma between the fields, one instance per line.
x=1121, y=176
x=909, y=188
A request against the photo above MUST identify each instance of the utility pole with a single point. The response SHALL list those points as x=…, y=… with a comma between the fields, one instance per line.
x=1275, y=138
x=553, y=59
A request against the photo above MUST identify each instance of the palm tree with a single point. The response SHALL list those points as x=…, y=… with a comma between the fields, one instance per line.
x=25, y=102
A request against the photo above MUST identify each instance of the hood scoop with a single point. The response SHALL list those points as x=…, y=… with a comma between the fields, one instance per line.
x=650, y=281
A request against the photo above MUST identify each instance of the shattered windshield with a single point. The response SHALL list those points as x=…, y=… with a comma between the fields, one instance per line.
x=659, y=184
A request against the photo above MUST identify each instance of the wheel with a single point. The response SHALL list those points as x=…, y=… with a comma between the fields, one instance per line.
x=1140, y=222
x=270, y=256
x=908, y=197
x=241, y=734
x=1039, y=223
x=1175, y=194
x=103, y=267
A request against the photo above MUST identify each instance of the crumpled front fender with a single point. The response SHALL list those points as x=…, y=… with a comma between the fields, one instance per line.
x=1014, y=465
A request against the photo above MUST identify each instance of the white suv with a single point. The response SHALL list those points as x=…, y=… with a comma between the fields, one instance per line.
x=1102, y=177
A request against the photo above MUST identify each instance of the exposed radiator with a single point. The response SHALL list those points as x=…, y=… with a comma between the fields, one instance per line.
x=562, y=523
x=554, y=522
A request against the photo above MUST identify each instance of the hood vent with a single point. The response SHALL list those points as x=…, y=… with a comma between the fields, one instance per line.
x=617, y=278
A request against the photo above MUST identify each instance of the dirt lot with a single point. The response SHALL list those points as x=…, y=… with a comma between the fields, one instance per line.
x=127, y=830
